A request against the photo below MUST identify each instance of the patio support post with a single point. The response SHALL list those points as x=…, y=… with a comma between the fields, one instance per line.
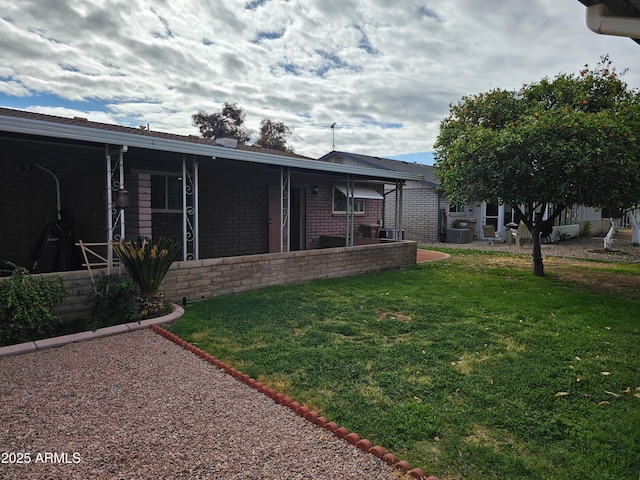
x=398, y=213
x=349, y=213
x=115, y=181
x=285, y=206
x=190, y=217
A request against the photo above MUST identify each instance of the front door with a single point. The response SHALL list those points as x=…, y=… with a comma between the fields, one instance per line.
x=274, y=219
x=297, y=219
x=491, y=214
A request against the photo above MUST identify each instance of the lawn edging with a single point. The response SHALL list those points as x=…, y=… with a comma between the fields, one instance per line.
x=301, y=410
x=176, y=312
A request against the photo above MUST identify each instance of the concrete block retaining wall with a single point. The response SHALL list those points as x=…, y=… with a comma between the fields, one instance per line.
x=200, y=279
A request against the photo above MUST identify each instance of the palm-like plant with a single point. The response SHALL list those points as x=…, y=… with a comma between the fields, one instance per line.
x=148, y=264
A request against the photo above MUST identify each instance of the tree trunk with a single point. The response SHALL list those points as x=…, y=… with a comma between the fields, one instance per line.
x=635, y=228
x=538, y=266
x=608, y=240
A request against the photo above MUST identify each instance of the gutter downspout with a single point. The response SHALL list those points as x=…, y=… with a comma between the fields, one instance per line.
x=599, y=21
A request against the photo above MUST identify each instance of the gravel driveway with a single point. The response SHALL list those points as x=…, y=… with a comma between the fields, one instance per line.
x=137, y=406
x=589, y=248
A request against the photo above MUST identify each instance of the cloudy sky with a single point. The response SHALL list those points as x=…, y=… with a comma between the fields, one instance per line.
x=385, y=71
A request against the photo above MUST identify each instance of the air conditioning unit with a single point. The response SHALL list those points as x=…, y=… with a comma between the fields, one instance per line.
x=227, y=142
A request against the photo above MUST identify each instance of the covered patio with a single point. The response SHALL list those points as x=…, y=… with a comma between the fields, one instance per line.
x=70, y=180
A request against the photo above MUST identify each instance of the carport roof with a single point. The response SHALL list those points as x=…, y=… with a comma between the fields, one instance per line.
x=80, y=129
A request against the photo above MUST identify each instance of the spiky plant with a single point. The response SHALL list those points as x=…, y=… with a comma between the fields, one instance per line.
x=148, y=264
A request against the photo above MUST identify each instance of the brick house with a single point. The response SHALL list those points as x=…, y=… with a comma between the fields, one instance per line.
x=420, y=200
x=65, y=180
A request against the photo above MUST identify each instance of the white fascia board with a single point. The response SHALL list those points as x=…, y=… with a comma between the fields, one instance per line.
x=104, y=136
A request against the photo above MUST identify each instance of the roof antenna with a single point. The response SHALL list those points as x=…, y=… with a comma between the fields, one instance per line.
x=333, y=137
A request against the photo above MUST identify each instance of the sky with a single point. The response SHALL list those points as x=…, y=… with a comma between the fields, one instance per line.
x=383, y=72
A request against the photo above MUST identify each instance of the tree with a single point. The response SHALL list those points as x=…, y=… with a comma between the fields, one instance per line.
x=227, y=123
x=273, y=135
x=573, y=140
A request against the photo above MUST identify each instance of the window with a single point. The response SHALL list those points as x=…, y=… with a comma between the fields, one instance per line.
x=166, y=193
x=340, y=203
x=457, y=208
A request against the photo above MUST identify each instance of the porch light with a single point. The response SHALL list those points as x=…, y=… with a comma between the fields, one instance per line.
x=316, y=189
x=122, y=199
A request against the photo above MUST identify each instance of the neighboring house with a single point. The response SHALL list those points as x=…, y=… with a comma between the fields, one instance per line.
x=420, y=206
x=572, y=222
x=66, y=180
x=427, y=216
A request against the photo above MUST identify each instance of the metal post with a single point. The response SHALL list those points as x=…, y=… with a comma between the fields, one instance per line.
x=196, y=214
x=121, y=185
x=115, y=216
x=190, y=220
x=109, y=206
x=398, y=213
x=185, y=219
x=349, y=211
x=285, y=206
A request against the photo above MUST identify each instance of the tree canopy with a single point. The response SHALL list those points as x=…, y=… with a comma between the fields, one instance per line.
x=571, y=140
x=229, y=123
x=273, y=135
x=226, y=123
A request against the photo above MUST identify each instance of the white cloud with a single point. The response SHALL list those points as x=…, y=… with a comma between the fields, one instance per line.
x=362, y=64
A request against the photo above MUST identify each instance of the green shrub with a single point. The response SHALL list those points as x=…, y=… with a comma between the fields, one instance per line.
x=146, y=263
x=585, y=230
x=115, y=301
x=26, y=305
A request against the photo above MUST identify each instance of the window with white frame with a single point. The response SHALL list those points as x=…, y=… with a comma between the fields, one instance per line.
x=340, y=203
x=166, y=192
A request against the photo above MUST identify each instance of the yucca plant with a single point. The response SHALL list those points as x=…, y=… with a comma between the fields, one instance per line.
x=148, y=264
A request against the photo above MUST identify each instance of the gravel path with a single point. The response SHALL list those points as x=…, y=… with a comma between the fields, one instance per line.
x=137, y=406
x=591, y=248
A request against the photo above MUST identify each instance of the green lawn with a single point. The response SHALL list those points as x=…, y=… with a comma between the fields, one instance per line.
x=467, y=368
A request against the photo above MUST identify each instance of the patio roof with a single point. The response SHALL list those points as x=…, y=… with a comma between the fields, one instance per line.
x=77, y=129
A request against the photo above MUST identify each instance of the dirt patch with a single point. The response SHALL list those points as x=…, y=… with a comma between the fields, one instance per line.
x=593, y=274
x=571, y=261
x=394, y=316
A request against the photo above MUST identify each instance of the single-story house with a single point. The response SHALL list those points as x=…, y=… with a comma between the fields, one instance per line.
x=68, y=180
x=421, y=203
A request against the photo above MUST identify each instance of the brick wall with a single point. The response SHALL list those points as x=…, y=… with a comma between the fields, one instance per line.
x=200, y=279
x=322, y=222
x=419, y=214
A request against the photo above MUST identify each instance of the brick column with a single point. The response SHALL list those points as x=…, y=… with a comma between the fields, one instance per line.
x=138, y=215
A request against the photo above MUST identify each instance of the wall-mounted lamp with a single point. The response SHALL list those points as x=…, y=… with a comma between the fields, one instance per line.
x=122, y=199
x=316, y=189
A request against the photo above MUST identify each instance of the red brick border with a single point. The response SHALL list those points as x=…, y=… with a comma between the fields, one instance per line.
x=302, y=410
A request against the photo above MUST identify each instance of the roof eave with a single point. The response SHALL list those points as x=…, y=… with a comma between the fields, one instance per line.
x=96, y=135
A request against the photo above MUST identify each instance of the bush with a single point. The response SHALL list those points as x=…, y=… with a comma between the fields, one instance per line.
x=26, y=305
x=115, y=301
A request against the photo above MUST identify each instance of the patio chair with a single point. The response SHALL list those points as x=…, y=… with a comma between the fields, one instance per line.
x=489, y=233
x=521, y=236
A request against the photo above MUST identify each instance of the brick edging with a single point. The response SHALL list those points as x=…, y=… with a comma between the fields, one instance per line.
x=302, y=410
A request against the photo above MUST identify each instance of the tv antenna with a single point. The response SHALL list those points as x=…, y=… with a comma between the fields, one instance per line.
x=333, y=136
